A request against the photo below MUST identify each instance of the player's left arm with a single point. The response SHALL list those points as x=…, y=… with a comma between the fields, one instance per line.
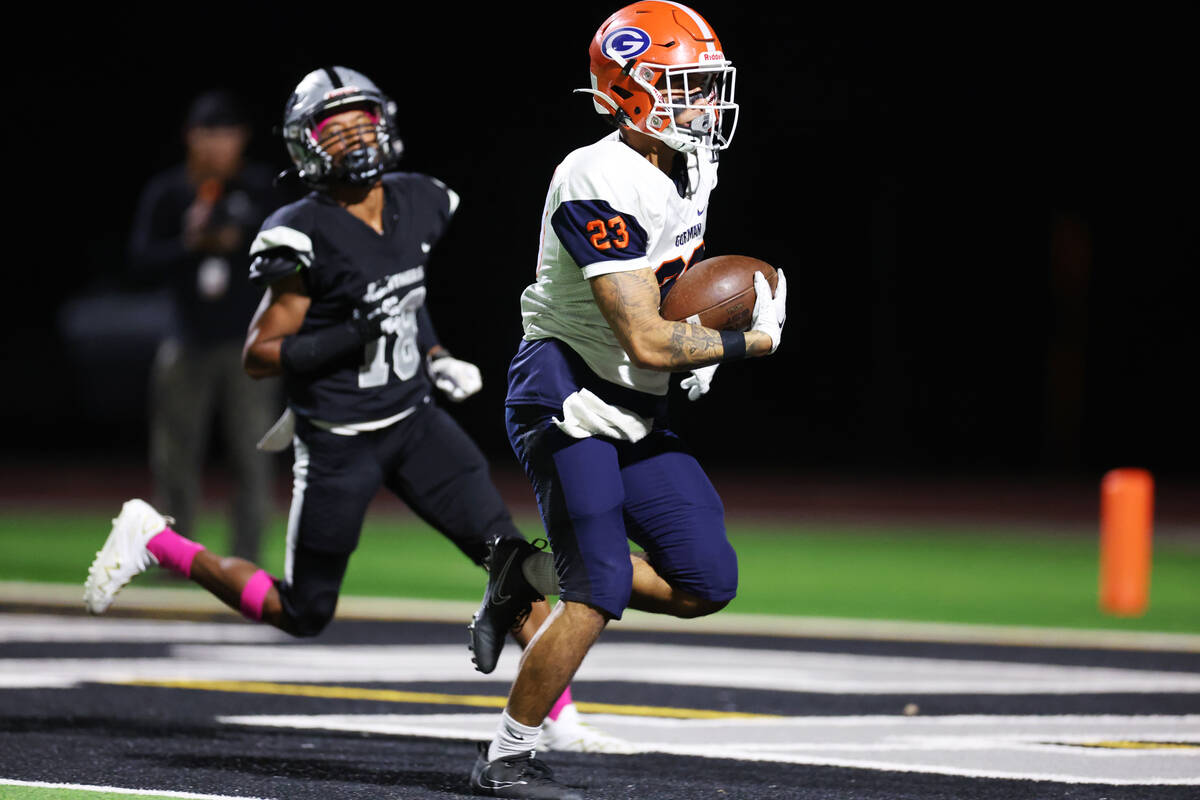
x=629, y=302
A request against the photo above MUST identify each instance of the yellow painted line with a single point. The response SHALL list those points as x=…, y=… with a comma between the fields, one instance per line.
x=667, y=711
x=1142, y=745
x=432, y=698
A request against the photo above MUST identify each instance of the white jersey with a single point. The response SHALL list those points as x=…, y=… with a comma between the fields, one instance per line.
x=610, y=210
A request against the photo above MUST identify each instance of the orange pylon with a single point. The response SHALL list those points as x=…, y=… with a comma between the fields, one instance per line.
x=1126, y=522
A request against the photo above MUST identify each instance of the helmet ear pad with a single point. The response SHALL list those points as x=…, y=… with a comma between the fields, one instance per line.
x=639, y=101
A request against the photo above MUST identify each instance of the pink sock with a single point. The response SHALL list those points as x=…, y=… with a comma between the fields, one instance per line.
x=254, y=594
x=174, y=552
x=564, y=700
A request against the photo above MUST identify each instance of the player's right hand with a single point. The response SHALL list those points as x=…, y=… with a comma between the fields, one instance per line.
x=769, y=311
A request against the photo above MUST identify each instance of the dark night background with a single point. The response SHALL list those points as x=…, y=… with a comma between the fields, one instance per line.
x=989, y=227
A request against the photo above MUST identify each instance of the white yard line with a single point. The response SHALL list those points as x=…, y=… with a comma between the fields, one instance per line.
x=383, y=608
x=52, y=628
x=769, y=670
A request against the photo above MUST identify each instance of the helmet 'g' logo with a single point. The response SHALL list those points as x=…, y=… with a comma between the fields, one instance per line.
x=625, y=43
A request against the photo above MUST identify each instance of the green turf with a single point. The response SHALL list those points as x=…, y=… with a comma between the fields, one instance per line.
x=974, y=575
x=9, y=792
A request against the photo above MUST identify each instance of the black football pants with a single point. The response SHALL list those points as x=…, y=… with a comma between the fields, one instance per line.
x=426, y=459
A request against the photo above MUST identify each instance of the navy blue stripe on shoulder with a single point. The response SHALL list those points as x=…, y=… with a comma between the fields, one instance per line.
x=592, y=231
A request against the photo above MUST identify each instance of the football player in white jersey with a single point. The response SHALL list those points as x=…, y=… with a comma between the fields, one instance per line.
x=586, y=404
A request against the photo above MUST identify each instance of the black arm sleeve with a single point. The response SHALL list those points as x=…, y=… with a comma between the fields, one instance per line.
x=315, y=352
x=427, y=337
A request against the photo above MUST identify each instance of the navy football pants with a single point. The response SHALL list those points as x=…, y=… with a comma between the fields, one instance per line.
x=594, y=494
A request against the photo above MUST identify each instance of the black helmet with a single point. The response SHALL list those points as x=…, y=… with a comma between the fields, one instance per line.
x=327, y=91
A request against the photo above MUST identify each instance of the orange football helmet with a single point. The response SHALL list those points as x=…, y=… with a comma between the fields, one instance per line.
x=658, y=67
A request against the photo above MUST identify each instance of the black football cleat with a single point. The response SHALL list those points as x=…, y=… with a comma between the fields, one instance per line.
x=520, y=776
x=506, y=602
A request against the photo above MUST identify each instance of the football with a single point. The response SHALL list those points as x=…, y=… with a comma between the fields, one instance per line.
x=720, y=290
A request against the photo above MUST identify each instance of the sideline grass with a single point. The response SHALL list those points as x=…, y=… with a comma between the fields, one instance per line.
x=943, y=574
x=9, y=791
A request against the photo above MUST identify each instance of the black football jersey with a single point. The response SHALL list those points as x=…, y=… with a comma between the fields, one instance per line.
x=344, y=263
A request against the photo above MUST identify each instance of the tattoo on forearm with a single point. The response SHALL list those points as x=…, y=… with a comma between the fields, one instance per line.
x=629, y=302
x=691, y=344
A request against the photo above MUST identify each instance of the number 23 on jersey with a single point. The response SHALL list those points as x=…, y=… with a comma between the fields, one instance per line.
x=605, y=234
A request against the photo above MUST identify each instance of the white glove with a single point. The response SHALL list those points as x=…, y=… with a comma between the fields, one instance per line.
x=698, y=382
x=458, y=379
x=769, y=312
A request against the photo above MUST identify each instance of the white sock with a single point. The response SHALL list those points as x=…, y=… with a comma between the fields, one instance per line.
x=513, y=738
x=538, y=569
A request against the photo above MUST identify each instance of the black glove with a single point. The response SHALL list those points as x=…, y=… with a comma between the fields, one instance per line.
x=369, y=316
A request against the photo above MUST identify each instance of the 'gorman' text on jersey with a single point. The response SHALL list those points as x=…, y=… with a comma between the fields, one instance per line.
x=610, y=210
x=344, y=263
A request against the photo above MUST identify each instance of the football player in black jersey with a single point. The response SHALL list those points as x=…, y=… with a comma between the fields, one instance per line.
x=343, y=320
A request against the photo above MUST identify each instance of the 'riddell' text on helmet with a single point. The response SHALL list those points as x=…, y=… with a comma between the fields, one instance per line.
x=332, y=90
x=658, y=67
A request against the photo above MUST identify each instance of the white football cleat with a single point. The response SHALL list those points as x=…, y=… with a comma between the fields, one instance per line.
x=124, y=554
x=569, y=732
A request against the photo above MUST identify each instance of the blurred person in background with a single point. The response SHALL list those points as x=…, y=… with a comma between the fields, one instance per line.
x=192, y=234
